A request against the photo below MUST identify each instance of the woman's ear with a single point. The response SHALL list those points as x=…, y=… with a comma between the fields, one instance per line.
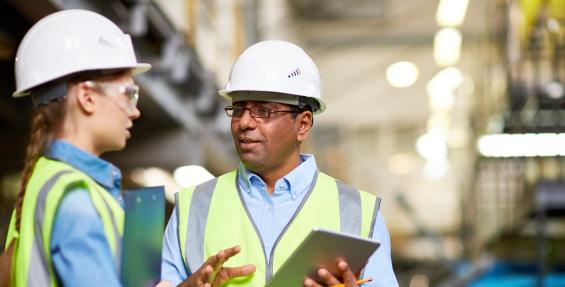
x=304, y=122
x=84, y=97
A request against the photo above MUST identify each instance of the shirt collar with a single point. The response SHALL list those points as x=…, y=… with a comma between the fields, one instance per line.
x=101, y=171
x=297, y=181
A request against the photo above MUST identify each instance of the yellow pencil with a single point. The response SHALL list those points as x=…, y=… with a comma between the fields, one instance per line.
x=360, y=281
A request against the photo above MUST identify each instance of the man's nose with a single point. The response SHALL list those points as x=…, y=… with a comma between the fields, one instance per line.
x=247, y=121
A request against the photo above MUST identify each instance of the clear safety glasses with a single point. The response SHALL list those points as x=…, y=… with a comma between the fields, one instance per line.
x=129, y=91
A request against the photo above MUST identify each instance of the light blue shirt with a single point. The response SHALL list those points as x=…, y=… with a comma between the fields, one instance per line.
x=80, y=253
x=271, y=213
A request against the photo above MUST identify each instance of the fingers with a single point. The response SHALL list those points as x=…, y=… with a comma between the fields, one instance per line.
x=207, y=274
x=216, y=262
x=227, y=273
x=308, y=282
x=349, y=279
x=239, y=271
x=214, y=271
x=328, y=277
x=231, y=251
x=199, y=278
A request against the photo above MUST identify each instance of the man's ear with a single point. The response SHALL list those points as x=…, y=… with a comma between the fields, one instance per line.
x=304, y=122
x=85, y=97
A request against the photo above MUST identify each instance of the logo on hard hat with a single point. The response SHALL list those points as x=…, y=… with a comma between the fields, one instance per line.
x=295, y=73
x=105, y=42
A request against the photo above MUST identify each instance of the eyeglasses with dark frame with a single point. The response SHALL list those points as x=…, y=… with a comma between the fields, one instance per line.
x=255, y=112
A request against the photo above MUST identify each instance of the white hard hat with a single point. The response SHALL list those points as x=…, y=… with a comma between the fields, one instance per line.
x=71, y=41
x=276, y=66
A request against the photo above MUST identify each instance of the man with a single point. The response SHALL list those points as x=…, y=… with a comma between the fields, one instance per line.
x=263, y=210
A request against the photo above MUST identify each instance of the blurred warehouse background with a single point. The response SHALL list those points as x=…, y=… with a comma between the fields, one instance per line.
x=452, y=111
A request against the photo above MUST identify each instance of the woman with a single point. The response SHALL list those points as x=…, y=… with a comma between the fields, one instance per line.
x=66, y=228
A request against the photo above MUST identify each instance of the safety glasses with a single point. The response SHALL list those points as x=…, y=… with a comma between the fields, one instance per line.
x=130, y=91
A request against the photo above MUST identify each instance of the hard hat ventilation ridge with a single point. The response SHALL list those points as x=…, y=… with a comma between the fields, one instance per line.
x=295, y=73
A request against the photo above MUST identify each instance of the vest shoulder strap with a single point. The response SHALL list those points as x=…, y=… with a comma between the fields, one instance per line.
x=192, y=205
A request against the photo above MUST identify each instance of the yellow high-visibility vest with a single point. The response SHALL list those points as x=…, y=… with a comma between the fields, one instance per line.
x=50, y=180
x=213, y=216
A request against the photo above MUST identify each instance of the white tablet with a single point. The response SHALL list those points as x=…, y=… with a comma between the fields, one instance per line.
x=323, y=248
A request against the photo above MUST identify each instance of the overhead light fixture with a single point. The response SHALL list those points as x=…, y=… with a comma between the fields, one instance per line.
x=402, y=74
x=434, y=170
x=522, y=145
x=441, y=88
x=191, y=175
x=451, y=13
x=447, y=47
x=432, y=146
x=445, y=81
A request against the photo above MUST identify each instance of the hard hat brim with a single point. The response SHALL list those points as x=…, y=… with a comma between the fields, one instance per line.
x=136, y=69
x=226, y=94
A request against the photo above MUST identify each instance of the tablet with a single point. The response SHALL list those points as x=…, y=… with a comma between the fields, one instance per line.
x=143, y=236
x=322, y=248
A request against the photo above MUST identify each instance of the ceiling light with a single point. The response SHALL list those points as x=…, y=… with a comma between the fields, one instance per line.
x=451, y=13
x=432, y=146
x=402, y=74
x=435, y=169
x=522, y=145
x=445, y=81
x=441, y=88
x=191, y=175
x=447, y=47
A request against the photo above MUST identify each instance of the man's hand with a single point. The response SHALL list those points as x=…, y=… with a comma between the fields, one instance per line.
x=349, y=278
x=213, y=273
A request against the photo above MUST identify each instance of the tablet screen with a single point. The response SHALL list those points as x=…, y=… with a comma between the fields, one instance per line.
x=143, y=236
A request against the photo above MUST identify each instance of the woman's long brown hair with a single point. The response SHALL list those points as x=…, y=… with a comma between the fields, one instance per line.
x=46, y=123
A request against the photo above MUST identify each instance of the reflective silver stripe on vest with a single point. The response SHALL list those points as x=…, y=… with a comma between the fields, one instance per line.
x=117, y=237
x=373, y=222
x=197, y=218
x=270, y=264
x=349, y=209
x=38, y=272
x=375, y=213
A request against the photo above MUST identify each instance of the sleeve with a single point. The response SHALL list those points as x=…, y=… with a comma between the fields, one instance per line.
x=379, y=266
x=172, y=266
x=79, y=250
